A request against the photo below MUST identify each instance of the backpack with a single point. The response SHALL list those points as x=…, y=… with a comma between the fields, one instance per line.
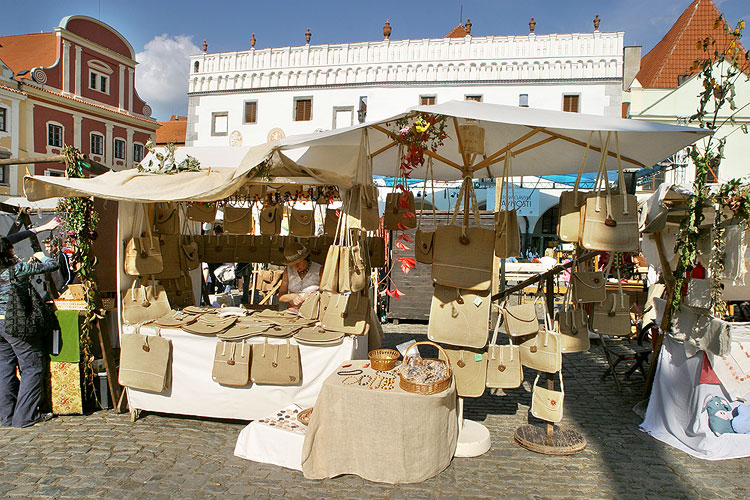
x=27, y=316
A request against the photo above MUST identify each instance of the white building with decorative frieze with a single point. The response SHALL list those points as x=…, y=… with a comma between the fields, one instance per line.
x=250, y=96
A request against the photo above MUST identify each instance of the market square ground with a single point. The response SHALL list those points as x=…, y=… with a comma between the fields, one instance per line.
x=103, y=455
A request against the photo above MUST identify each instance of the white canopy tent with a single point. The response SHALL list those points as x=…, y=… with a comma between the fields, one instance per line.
x=543, y=142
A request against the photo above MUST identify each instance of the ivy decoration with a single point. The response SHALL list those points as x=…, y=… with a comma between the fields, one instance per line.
x=165, y=162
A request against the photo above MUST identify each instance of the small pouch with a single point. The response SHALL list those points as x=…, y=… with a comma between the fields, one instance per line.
x=237, y=220
x=231, y=363
x=588, y=286
x=202, y=212
x=270, y=219
x=302, y=223
x=547, y=404
x=504, y=369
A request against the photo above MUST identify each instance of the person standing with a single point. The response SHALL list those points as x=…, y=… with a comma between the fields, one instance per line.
x=19, y=400
x=61, y=277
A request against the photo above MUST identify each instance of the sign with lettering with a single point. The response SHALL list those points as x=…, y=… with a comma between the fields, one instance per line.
x=525, y=201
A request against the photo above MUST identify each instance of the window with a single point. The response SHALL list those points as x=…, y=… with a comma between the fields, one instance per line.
x=251, y=111
x=137, y=152
x=97, y=144
x=98, y=81
x=571, y=103
x=54, y=173
x=477, y=98
x=219, y=123
x=4, y=175
x=119, y=149
x=196, y=66
x=3, y=120
x=427, y=100
x=302, y=109
x=523, y=100
x=54, y=135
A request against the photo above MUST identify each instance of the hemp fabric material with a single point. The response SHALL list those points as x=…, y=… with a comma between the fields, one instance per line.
x=349, y=422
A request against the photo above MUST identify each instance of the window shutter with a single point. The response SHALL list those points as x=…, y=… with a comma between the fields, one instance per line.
x=251, y=112
x=304, y=110
x=570, y=103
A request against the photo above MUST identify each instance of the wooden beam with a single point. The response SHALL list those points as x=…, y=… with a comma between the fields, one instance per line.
x=115, y=389
x=460, y=144
x=383, y=149
x=593, y=148
x=94, y=167
x=522, y=150
x=488, y=160
x=443, y=159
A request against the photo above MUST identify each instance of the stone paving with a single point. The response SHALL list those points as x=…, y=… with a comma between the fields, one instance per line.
x=103, y=455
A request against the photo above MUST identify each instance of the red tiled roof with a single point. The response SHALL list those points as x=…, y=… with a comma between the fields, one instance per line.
x=12, y=90
x=457, y=32
x=172, y=130
x=23, y=52
x=675, y=53
x=73, y=98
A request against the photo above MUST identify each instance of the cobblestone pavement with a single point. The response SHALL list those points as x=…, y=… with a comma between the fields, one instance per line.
x=103, y=455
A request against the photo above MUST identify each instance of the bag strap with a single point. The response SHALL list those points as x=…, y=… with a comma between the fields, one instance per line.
x=601, y=175
x=621, y=176
x=562, y=386
x=580, y=170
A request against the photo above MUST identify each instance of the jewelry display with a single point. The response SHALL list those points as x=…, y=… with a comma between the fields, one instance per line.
x=349, y=372
x=354, y=380
x=379, y=379
x=362, y=380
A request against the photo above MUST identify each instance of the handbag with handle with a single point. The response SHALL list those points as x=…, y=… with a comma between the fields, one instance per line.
x=237, y=220
x=573, y=325
x=231, y=363
x=610, y=221
x=543, y=351
x=547, y=404
x=469, y=368
x=166, y=218
x=302, y=223
x=345, y=313
x=462, y=255
x=142, y=253
x=376, y=250
x=179, y=291
x=270, y=219
x=189, y=251
x=507, y=231
x=276, y=364
x=520, y=320
x=202, y=212
x=459, y=317
x=400, y=211
x=612, y=317
x=145, y=361
x=569, y=221
x=424, y=240
x=588, y=286
x=144, y=303
x=363, y=195
x=329, y=279
x=170, y=255
x=352, y=270
x=504, y=369
x=331, y=222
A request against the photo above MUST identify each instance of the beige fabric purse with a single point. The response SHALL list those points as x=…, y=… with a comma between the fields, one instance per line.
x=166, y=218
x=569, y=221
x=270, y=219
x=202, y=212
x=310, y=308
x=573, y=325
x=237, y=220
x=588, y=286
x=189, y=252
x=180, y=291
x=231, y=364
x=329, y=279
x=507, y=231
x=276, y=364
x=331, y=222
x=612, y=317
x=352, y=271
x=145, y=361
x=424, y=240
x=144, y=303
x=543, y=351
x=459, y=317
x=547, y=404
x=302, y=223
x=463, y=255
x=363, y=195
x=504, y=369
x=142, y=253
x=610, y=221
x=396, y=216
x=376, y=250
x=345, y=313
x=469, y=370
x=170, y=255
x=520, y=320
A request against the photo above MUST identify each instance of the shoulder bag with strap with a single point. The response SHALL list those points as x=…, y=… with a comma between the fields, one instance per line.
x=507, y=231
x=145, y=361
x=520, y=320
x=270, y=219
x=547, y=404
x=504, y=369
x=610, y=221
x=331, y=222
x=166, y=218
x=569, y=221
x=423, y=240
x=399, y=212
x=363, y=213
x=612, y=317
x=170, y=256
x=189, y=252
x=345, y=313
x=329, y=279
x=463, y=255
x=142, y=252
x=469, y=370
x=276, y=364
x=237, y=220
x=301, y=223
x=231, y=363
x=459, y=317
x=573, y=324
x=202, y=212
x=144, y=303
x=543, y=351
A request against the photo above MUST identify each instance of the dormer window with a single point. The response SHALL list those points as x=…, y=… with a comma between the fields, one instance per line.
x=682, y=79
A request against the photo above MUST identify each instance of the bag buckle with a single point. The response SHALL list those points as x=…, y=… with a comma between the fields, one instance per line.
x=501, y=368
x=610, y=222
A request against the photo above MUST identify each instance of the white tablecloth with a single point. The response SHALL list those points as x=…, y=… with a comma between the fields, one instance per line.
x=193, y=392
x=262, y=443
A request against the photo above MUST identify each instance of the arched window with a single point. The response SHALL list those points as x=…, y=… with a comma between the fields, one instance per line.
x=196, y=65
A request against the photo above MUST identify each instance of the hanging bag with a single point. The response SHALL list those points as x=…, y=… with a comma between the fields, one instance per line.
x=547, y=404
x=179, y=291
x=569, y=222
x=612, y=317
x=169, y=245
x=363, y=195
x=345, y=313
x=302, y=223
x=270, y=219
x=144, y=303
x=202, y=212
x=504, y=369
x=231, y=364
x=507, y=231
x=189, y=251
x=329, y=279
x=399, y=212
x=142, y=253
x=463, y=255
x=166, y=218
x=331, y=222
x=276, y=364
x=424, y=240
x=145, y=361
x=610, y=221
x=459, y=317
x=543, y=351
x=573, y=325
x=520, y=320
x=237, y=220
x=469, y=370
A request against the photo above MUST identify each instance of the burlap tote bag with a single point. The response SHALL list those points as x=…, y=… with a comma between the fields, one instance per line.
x=547, y=404
x=346, y=313
x=459, y=317
x=520, y=320
x=543, y=351
x=302, y=223
x=231, y=364
x=170, y=255
x=504, y=369
x=469, y=370
x=610, y=221
x=237, y=220
x=573, y=326
x=142, y=250
x=166, y=218
x=145, y=361
x=270, y=219
x=363, y=195
x=507, y=231
x=144, y=303
x=569, y=221
x=612, y=317
x=276, y=364
x=202, y=212
x=463, y=255
x=400, y=211
x=424, y=240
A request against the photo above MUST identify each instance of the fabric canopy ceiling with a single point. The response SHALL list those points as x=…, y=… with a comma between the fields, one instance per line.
x=543, y=143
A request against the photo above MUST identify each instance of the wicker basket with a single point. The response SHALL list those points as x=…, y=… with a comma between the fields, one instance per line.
x=431, y=387
x=383, y=359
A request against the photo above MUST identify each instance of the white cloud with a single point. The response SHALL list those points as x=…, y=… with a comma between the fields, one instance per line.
x=162, y=74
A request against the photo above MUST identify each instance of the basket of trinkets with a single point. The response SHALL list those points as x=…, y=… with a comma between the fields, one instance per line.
x=424, y=375
x=383, y=359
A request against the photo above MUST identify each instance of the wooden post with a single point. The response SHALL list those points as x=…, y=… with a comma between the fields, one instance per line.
x=550, y=298
x=115, y=389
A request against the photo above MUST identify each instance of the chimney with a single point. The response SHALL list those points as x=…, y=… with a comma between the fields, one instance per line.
x=596, y=22
x=532, y=25
x=252, y=41
x=387, y=30
x=631, y=65
x=308, y=36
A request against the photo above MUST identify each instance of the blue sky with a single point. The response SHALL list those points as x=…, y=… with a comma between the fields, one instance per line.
x=164, y=32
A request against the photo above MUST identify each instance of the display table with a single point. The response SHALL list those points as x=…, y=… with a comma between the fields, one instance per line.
x=388, y=436
x=193, y=392
x=270, y=443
